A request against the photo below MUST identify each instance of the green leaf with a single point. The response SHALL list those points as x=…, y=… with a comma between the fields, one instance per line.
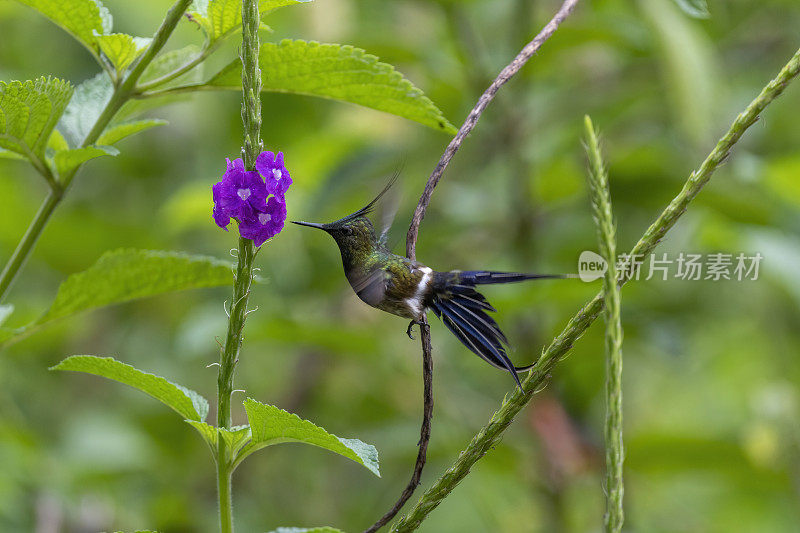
x=694, y=8
x=171, y=61
x=235, y=437
x=222, y=18
x=84, y=109
x=28, y=113
x=323, y=529
x=57, y=142
x=270, y=425
x=124, y=275
x=117, y=132
x=81, y=18
x=340, y=73
x=122, y=49
x=67, y=160
x=187, y=403
x=8, y=154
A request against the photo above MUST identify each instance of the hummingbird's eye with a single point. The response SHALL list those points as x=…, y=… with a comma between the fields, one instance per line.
x=347, y=231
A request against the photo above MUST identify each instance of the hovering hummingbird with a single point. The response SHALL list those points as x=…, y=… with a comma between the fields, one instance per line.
x=407, y=288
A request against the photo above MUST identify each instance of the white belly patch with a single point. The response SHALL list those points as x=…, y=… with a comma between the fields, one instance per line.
x=415, y=302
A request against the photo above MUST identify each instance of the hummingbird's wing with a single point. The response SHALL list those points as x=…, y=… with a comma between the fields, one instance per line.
x=370, y=285
x=386, y=211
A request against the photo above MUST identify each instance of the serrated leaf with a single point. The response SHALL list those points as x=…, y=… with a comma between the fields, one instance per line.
x=694, y=8
x=28, y=113
x=235, y=437
x=185, y=402
x=337, y=72
x=67, y=160
x=122, y=49
x=222, y=18
x=80, y=18
x=270, y=425
x=84, y=108
x=323, y=529
x=117, y=132
x=124, y=275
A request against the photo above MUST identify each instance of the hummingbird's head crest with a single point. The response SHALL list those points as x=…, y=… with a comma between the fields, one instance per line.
x=354, y=230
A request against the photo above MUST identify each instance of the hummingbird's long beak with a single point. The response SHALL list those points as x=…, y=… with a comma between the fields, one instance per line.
x=309, y=224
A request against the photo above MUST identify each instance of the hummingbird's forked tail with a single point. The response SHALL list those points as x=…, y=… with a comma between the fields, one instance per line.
x=462, y=309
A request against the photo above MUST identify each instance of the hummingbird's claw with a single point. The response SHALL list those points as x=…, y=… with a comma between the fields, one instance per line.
x=410, y=329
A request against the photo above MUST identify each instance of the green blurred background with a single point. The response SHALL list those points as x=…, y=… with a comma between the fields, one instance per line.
x=711, y=369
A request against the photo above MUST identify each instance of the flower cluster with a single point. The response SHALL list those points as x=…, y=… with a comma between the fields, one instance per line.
x=255, y=198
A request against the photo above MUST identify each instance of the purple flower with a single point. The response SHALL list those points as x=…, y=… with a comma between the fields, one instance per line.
x=274, y=172
x=265, y=224
x=240, y=193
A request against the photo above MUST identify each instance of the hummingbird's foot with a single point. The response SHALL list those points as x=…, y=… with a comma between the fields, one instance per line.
x=410, y=329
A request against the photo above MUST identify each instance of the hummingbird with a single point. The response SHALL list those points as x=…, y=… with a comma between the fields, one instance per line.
x=408, y=289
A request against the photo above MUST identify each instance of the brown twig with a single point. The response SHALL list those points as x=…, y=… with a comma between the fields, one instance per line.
x=506, y=74
x=424, y=432
x=411, y=241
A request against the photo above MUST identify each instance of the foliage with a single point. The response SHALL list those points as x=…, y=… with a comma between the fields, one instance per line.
x=125, y=275
x=29, y=112
x=268, y=424
x=338, y=72
x=185, y=402
x=712, y=401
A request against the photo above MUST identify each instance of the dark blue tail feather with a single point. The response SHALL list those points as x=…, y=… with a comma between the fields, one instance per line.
x=462, y=309
x=475, y=337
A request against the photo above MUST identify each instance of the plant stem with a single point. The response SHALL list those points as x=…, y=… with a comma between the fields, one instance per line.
x=606, y=237
x=201, y=56
x=251, y=83
x=224, y=491
x=492, y=432
x=25, y=245
x=121, y=95
x=227, y=365
x=251, y=119
x=472, y=119
x=424, y=432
